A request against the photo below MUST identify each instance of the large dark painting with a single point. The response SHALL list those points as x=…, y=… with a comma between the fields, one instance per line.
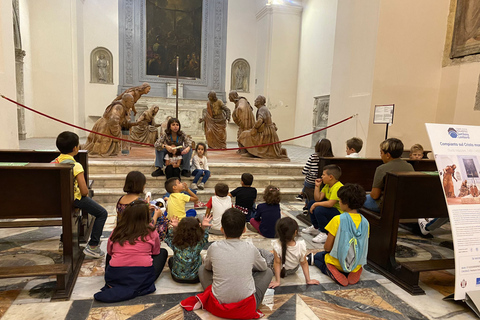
x=173, y=27
x=466, y=33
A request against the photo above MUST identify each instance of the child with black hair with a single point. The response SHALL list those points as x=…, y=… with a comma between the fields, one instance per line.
x=173, y=160
x=288, y=253
x=134, y=260
x=187, y=239
x=268, y=213
x=177, y=199
x=245, y=196
x=68, y=144
x=233, y=273
x=346, y=246
x=200, y=166
x=217, y=205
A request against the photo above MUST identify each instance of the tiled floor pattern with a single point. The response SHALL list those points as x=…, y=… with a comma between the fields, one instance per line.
x=373, y=297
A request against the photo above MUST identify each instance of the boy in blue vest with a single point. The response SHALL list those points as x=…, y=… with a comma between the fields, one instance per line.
x=346, y=246
x=68, y=144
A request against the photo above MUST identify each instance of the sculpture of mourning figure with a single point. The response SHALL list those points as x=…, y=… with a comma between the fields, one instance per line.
x=242, y=115
x=136, y=92
x=263, y=132
x=215, y=118
x=146, y=131
x=111, y=123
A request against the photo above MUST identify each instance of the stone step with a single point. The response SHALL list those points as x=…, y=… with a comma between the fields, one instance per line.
x=147, y=167
x=111, y=195
x=117, y=180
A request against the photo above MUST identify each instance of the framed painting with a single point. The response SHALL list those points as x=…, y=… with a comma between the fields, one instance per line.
x=466, y=32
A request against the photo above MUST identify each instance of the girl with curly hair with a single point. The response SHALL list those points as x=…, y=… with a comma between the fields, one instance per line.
x=187, y=238
x=268, y=213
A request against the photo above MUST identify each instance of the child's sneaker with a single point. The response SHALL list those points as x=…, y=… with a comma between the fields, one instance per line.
x=93, y=252
x=193, y=186
x=199, y=205
x=299, y=197
x=305, y=211
x=354, y=277
x=336, y=275
x=310, y=259
x=320, y=238
x=422, y=223
x=311, y=230
x=201, y=186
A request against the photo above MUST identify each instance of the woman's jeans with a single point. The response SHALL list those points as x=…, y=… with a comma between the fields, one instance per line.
x=160, y=154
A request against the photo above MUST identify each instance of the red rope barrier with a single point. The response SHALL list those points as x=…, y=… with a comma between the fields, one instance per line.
x=151, y=145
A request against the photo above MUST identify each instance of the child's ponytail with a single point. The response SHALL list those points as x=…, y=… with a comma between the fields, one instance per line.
x=286, y=230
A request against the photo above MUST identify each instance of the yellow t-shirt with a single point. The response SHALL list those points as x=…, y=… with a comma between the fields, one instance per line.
x=77, y=169
x=332, y=228
x=331, y=193
x=176, y=205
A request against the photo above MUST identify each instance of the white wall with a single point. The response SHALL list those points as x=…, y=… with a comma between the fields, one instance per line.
x=8, y=120
x=353, y=71
x=316, y=60
x=241, y=43
x=100, y=28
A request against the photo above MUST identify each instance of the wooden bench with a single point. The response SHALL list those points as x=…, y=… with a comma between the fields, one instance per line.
x=43, y=191
x=85, y=227
x=407, y=195
x=362, y=170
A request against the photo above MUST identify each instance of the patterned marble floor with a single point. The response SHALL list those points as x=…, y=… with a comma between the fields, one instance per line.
x=374, y=297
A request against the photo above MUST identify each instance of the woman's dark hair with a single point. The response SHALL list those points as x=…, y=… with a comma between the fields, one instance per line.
x=352, y=195
x=188, y=233
x=286, y=228
x=271, y=195
x=135, y=223
x=134, y=182
x=169, y=123
x=323, y=148
x=204, y=147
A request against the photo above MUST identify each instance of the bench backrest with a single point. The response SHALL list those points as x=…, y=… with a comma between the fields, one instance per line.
x=24, y=155
x=362, y=170
x=36, y=190
x=410, y=195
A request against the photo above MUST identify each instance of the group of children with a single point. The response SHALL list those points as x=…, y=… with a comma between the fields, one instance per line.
x=135, y=260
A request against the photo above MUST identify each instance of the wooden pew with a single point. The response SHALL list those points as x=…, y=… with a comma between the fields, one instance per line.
x=24, y=155
x=362, y=170
x=405, y=197
x=43, y=191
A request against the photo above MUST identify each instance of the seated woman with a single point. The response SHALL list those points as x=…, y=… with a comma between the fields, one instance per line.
x=390, y=151
x=263, y=132
x=173, y=136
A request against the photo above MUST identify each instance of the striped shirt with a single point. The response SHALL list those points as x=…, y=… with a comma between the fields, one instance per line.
x=311, y=169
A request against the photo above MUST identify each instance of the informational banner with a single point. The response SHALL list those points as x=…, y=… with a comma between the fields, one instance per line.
x=457, y=154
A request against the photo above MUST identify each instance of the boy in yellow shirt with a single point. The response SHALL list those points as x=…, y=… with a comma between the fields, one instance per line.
x=346, y=247
x=68, y=144
x=177, y=199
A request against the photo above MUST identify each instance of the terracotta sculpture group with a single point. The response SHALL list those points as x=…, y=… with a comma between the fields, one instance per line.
x=251, y=131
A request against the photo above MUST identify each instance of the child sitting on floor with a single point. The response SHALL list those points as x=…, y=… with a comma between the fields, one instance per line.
x=200, y=167
x=176, y=199
x=234, y=274
x=346, y=247
x=134, y=259
x=187, y=238
x=217, y=205
x=268, y=213
x=245, y=196
x=288, y=253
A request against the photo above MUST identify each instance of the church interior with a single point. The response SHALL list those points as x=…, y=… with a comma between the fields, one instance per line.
x=318, y=63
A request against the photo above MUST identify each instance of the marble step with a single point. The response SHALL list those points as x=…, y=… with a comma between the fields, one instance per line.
x=117, y=180
x=147, y=167
x=111, y=195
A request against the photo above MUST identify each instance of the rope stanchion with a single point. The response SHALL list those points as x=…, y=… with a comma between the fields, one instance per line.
x=151, y=145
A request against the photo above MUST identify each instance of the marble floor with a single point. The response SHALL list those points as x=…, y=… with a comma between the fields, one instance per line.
x=374, y=297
